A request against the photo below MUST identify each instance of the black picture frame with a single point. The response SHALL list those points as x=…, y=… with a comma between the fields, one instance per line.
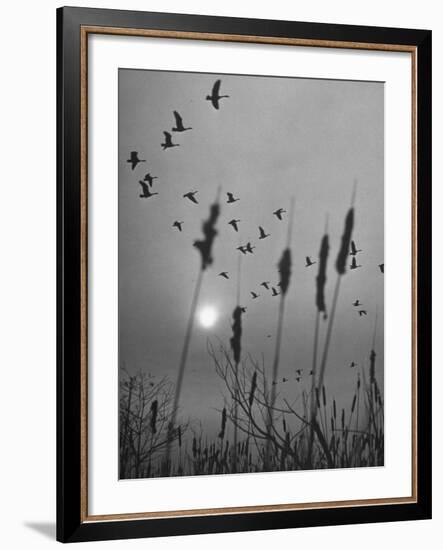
x=71, y=523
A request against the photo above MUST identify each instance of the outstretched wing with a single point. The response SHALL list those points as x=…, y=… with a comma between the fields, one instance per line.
x=168, y=138
x=216, y=88
x=354, y=262
x=230, y=196
x=353, y=248
x=178, y=120
x=262, y=231
x=308, y=261
x=191, y=197
x=145, y=187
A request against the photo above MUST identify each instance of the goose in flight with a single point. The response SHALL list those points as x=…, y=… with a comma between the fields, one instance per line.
x=299, y=371
x=354, y=250
x=279, y=213
x=254, y=295
x=134, y=160
x=234, y=224
x=168, y=142
x=145, y=189
x=243, y=309
x=309, y=262
x=249, y=248
x=262, y=232
x=150, y=179
x=382, y=267
x=178, y=225
x=298, y=378
x=265, y=284
x=354, y=264
x=224, y=274
x=191, y=196
x=215, y=97
x=357, y=303
x=231, y=198
x=242, y=249
x=362, y=312
x=274, y=291
x=179, y=124
x=352, y=365
x=284, y=379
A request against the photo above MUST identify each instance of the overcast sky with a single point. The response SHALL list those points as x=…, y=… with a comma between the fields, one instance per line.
x=273, y=138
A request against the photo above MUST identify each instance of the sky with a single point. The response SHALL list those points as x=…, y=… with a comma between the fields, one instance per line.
x=273, y=139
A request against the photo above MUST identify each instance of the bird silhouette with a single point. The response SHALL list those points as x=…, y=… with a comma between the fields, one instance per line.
x=309, y=262
x=134, y=160
x=249, y=248
x=298, y=378
x=243, y=309
x=179, y=124
x=150, y=179
x=279, y=213
x=274, y=291
x=191, y=196
x=168, y=142
x=284, y=379
x=254, y=295
x=178, y=225
x=145, y=189
x=354, y=264
x=299, y=371
x=215, y=97
x=362, y=312
x=352, y=365
x=354, y=250
x=224, y=274
x=311, y=373
x=242, y=249
x=262, y=232
x=231, y=198
x=382, y=267
x=234, y=224
x=357, y=303
x=265, y=284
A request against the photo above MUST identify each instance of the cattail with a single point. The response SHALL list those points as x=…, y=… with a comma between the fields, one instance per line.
x=221, y=435
x=284, y=424
x=154, y=409
x=321, y=276
x=317, y=397
x=205, y=245
x=358, y=381
x=340, y=264
x=284, y=267
x=194, y=447
x=323, y=395
x=236, y=334
x=179, y=436
x=353, y=403
x=342, y=419
x=335, y=409
x=372, y=366
x=253, y=388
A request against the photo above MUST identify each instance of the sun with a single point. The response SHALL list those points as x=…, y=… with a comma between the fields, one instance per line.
x=207, y=316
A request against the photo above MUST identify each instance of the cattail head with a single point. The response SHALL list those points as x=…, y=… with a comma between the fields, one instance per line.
x=154, y=410
x=353, y=403
x=253, y=388
x=323, y=395
x=221, y=435
x=340, y=264
x=372, y=366
x=209, y=233
x=321, y=276
x=194, y=447
x=342, y=419
x=236, y=334
x=179, y=436
x=284, y=267
x=335, y=409
x=317, y=397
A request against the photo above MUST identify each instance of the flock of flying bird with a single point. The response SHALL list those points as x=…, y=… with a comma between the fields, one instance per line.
x=146, y=193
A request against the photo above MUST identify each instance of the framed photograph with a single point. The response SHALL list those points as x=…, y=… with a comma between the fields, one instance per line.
x=244, y=274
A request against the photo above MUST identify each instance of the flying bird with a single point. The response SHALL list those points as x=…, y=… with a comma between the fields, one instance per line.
x=284, y=379
x=309, y=262
x=234, y=224
x=178, y=225
x=134, y=160
x=265, y=284
x=254, y=295
x=354, y=250
x=224, y=274
x=362, y=312
x=298, y=378
x=382, y=267
x=145, y=189
x=179, y=124
x=249, y=248
x=242, y=249
x=215, y=97
x=354, y=264
x=352, y=365
x=357, y=303
x=168, y=142
x=299, y=371
x=279, y=213
x=262, y=232
x=243, y=309
x=190, y=195
x=150, y=179
x=231, y=198
x=274, y=291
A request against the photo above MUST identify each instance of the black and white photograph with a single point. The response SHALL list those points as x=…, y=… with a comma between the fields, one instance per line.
x=251, y=274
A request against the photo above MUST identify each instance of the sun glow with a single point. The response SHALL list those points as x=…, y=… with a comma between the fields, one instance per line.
x=207, y=316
